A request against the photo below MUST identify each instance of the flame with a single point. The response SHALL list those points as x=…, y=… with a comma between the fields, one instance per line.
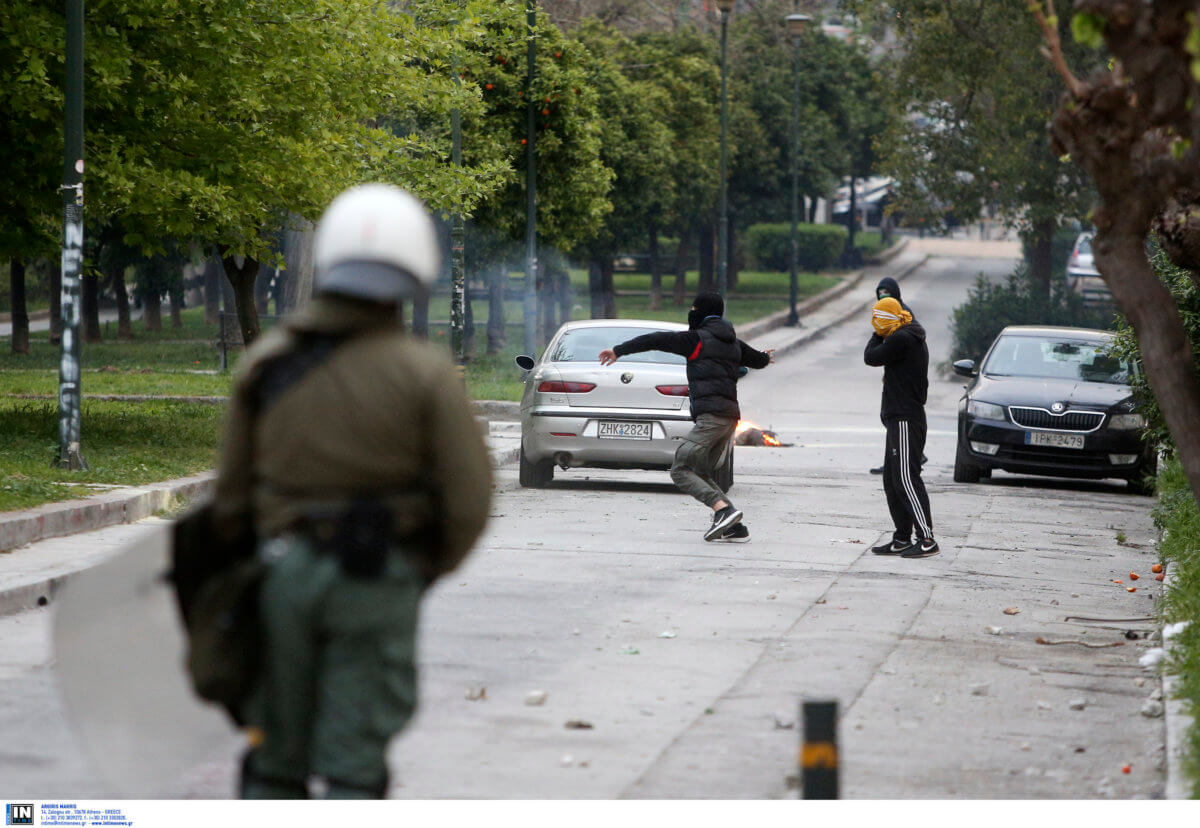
x=768, y=440
x=745, y=424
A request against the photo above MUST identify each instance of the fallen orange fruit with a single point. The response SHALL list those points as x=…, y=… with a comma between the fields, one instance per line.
x=1158, y=577
x=1126, y=768
x=1117, y=581
x=1133, y=576
x=1131, y=589
x=1156, y=568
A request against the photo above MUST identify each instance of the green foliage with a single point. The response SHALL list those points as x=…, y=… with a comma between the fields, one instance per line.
x=1088, y=30
x=1187, y=299
x=1178, y=519
x=769, y=246
x=991, y=306
x=124, y=443
x=977, y=96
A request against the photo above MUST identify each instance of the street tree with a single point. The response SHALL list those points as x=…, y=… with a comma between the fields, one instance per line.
x=1134, y=126
x=974, y=109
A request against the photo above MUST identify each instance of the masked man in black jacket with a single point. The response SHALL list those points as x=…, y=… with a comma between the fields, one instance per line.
x=714, y=359
x=898, y=344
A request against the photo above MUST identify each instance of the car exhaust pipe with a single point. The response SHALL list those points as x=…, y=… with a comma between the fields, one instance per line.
x=564, y=461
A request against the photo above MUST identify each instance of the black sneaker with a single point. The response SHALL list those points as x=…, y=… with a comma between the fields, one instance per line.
x=738, y=533
x=877, y=470
x=892, y=547
x=722, y=520
x=923, y=549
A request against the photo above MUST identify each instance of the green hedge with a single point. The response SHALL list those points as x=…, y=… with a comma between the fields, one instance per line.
x=991, y=306
x=769, y=246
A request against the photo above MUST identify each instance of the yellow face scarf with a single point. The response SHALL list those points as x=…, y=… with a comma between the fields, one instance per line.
x=887, y=316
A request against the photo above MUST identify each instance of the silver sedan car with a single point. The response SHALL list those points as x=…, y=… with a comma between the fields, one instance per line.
x=576, y=412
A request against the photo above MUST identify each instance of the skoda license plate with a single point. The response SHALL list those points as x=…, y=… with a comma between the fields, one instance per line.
x=624, y=431
x=1054, y=440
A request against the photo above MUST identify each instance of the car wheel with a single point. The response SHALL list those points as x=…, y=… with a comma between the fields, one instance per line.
x=964, y=472
x=725, y=472
x=535, y=475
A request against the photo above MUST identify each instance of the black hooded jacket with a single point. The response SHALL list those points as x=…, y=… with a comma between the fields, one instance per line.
x=714, y=355
x=893, y=290
x=905, y=360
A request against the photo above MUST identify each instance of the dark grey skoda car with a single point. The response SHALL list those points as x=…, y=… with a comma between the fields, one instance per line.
x=1052, y=401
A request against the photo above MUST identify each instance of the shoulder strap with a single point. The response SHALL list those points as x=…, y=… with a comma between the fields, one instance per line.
x=280, y=373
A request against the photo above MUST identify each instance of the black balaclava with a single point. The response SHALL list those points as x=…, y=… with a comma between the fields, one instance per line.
x=705, y=305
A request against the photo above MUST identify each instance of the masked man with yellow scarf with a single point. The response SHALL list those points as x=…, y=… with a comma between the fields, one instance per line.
x=898, y=345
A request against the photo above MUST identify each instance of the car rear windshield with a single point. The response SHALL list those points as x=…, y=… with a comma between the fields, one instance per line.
x=585, y=345
x=1027, y=356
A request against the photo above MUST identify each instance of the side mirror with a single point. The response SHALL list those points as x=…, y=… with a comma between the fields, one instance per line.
x=965, y=367
x=525, y=363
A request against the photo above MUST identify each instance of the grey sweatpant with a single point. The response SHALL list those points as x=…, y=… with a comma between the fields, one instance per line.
x=699, y=456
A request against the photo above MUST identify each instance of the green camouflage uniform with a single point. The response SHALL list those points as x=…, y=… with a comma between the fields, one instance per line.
x=385, y=416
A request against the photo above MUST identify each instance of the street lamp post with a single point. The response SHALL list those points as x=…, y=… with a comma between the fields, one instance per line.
x=726, y=7
x=795, y=27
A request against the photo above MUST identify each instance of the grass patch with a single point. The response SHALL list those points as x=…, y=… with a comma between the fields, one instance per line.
x=1179, y=520
x=123, y=443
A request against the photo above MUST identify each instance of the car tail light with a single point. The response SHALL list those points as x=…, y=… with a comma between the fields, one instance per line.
x=557, y=387
x=672, y=390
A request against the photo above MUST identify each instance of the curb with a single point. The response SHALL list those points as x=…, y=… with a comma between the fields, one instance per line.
x=1178, y=721
x=818, y=332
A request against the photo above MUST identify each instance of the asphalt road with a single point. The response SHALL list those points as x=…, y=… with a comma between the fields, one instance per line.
x=687, y=661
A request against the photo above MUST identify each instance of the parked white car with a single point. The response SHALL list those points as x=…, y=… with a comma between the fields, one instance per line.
x=1082, y=276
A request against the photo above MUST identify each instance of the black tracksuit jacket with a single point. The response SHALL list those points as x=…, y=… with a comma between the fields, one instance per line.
x=905, y=360
x=714, y=355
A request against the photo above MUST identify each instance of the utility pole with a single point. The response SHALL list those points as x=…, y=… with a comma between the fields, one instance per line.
x=69, y=399
x=531, y=263
x=726, y=7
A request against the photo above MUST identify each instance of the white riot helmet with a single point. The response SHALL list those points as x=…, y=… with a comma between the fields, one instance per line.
x=376, y=242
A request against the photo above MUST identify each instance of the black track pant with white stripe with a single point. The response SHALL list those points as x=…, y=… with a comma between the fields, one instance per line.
x=906, y=496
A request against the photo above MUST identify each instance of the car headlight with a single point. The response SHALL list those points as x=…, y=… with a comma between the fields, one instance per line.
x=1126, y=422
x=985, y=410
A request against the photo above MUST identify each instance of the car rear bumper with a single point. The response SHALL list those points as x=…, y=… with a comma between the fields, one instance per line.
x=572, y=436
x=1093, y=461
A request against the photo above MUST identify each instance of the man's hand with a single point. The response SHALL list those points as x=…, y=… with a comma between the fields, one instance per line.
x=608, y=356
x=770, y=352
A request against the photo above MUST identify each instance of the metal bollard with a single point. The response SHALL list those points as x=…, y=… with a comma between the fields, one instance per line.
x=819, y=753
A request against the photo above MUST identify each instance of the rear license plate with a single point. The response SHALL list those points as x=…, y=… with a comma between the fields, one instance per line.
x=1049, y=438
x=624, y=431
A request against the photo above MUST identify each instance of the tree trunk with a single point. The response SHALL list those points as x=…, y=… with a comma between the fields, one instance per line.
x=124, y=326
x=679, y=291
x=497, y=330
x=565, y=302
x=546, y=299
x=655, y=271
x=90, y=292
x=298, y=254
x=20, y=313
x=420, y=315
x=152, y=310
x=1165, y=347
x=242, y=279
x=175, y=294
x=607, y=289
x=596, y=288
x=708, y=236
x=262, y=291
x=55, y=301
x=212, y=288
x=731, y=275
x=1041, y=260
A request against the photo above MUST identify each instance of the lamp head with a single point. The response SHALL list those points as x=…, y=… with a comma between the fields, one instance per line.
x=796, y=24
x=726, y=6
